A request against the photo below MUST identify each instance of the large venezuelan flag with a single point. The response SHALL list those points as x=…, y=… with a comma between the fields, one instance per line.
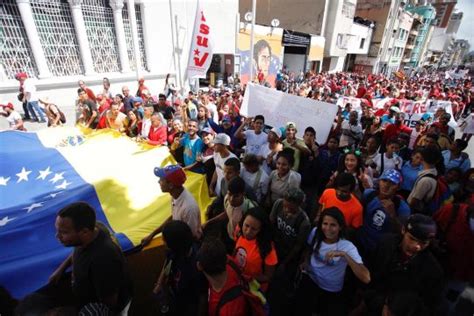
x=42, y=172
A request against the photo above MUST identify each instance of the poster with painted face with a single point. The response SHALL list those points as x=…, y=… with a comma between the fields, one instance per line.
x=267, y=56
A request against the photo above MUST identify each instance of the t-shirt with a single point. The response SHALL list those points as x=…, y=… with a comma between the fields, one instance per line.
x=247, y=256
x=376, y=220
x=99, y=271
x=258, y=181
x=255, y=141
x=424, y=187
x=88, y=108
x=146, y=124
x=29, y=87
x=264, y=152
x=351, y=209
x=462, y=161
x=13, y=119
x=234, y=214
x=157, y=135
x=236, y=307
x=297, y=154
x=279, y=186
x=410, y=174
x=395, y=162
x=186, y=209
x=192, y=148
x=219, y=162
x=350, y=134
x=290, y=229
x=329, y=275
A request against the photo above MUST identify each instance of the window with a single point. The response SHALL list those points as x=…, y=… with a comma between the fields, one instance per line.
x=348, y=9
x=15, y=52
x=100, y=29
x=129, y=38
x=56, y=31
x=362, y=42
x=341, y=41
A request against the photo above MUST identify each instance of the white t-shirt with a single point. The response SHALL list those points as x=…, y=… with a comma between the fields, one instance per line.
x=255, y=141
x=395, y=162
x=29, y=87
x=186, y=209
x=13, y=119
x=264, y=152
x=329, y=275
x=219, y=162
x=146, y=124
x=347, y=140
x=413, y=136
x=260, y=189
x=212, y=108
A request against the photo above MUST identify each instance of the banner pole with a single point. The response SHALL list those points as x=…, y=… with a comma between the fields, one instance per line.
x=252, y=30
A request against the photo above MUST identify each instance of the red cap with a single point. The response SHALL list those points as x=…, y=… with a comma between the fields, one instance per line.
x=21, y=75
x=8, y=105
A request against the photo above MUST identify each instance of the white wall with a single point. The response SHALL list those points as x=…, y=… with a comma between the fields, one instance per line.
x=336, y=23
x=358, y=32
x=158, y=26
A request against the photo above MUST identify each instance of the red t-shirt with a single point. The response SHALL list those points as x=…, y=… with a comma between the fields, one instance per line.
x=236, y=307
x=393, y=130
x=157, y=136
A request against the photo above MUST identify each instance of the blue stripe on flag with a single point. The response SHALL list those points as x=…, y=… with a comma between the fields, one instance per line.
x=35, y=183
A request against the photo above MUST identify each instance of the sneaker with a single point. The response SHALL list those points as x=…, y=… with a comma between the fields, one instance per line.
x=42, y=121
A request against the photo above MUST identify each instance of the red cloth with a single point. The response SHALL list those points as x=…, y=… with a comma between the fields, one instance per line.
x=460, y=241
x=157, y=136
x=393, y=130
x=361, y=92
x=91, y=94
x=237, y=307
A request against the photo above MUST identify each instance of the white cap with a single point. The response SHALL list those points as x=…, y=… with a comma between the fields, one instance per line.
x=395, y=109
x=277, y=132
x=222, y=138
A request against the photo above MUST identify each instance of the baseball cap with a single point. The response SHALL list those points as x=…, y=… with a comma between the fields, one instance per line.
x=137, y=99
x=173, y=173
x=222, y=138
x=290, y=125
x=8, y=105
x=277, y=132
x=392, y=175
x=395, y=109
x=421, y=227
x=226, y=119
x=208, y=130
x=20, y=75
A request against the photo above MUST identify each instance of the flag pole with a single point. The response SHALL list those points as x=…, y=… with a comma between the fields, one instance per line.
x=252, y=30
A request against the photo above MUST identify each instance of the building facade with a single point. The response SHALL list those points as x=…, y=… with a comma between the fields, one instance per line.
x=58, y=42
x=427, y=14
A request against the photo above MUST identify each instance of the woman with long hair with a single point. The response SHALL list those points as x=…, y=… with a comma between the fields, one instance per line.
x=324, y=267
x=254, y=250
x=202, y=116
x=134, y=123
x=351, y=162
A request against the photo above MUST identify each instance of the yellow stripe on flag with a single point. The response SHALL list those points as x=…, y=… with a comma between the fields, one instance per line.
x=121, y=171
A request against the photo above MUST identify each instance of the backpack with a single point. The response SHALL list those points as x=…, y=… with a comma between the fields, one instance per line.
x=441, y=197
x=256, y=303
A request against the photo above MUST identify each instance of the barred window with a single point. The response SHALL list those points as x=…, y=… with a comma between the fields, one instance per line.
x=99, y=22
x=56, y=31
x=15, y=52
x=129, y=38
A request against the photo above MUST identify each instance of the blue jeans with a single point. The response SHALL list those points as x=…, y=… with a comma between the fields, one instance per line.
x=35, y=110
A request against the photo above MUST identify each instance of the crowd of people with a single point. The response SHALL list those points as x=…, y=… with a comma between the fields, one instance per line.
x=378, y=220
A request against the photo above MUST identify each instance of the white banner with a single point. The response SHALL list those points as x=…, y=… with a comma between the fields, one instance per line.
x=355, y=103
x=200, y=55
x=416, y=109
x=278, y=108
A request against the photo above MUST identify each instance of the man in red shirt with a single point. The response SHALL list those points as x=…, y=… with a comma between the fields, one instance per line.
x=393, y=130
x=158, y=131
x=212, y=261
x=88, y=91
